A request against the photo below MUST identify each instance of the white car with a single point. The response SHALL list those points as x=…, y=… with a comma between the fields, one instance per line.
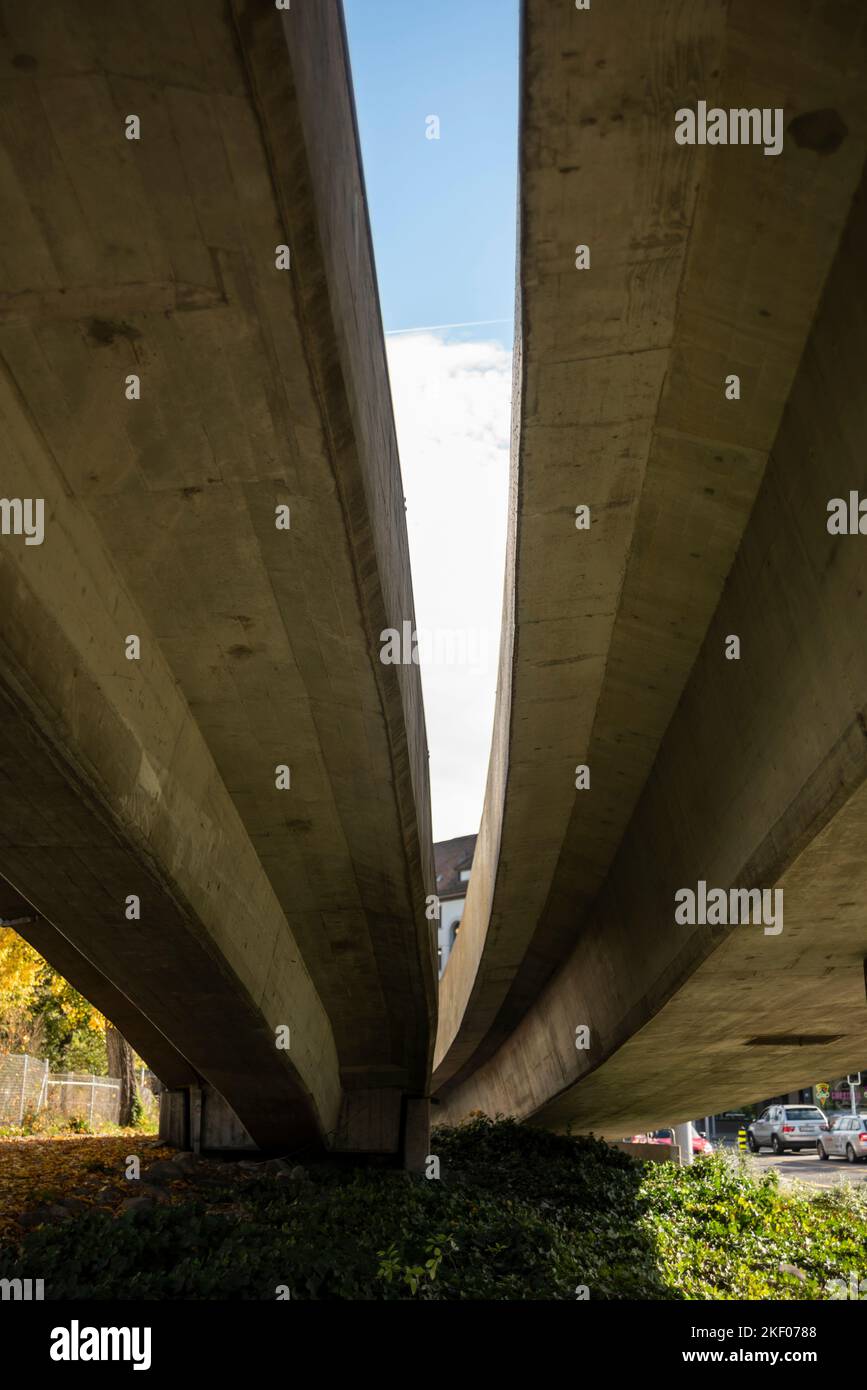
x=847, y=1138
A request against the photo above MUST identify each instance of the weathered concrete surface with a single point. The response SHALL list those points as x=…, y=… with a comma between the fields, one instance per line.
x=761, y=781
x=259, y=387
x=108, y=790
x=197, y=1118
x=416, y=1145
x=704, y=261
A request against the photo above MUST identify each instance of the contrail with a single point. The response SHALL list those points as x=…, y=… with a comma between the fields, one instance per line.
x=434, y=327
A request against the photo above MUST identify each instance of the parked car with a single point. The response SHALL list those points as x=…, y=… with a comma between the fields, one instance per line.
x=846, y=1138
x=783, y=1127
x=700, y=1145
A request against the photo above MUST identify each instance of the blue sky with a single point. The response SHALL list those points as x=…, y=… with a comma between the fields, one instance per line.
x=442, y=211
x=443, y=217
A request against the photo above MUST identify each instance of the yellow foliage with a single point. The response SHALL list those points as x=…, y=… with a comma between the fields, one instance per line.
x=20, y=968
x=79, y=1012
x=23, y=972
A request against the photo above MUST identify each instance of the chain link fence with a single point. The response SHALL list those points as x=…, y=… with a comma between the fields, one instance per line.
x=82, y=1096
x=22, y=1080
x=27, y=1088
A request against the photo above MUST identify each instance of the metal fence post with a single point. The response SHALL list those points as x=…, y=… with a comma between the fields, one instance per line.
x=23, y=1089
x=92, y=1094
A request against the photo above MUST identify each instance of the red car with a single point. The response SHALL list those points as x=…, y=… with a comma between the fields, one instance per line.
x=700, y=1145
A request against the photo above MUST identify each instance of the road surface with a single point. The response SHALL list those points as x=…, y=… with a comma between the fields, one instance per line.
x=808, y=1168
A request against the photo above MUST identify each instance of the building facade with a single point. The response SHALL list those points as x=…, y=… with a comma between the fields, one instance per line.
x=454, y=862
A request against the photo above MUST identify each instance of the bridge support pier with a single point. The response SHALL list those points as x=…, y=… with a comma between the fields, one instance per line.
x=197, y=1118
x=416, y=1135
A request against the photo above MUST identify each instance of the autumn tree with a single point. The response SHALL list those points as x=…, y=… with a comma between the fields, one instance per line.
x=20, y=972
x=73, y=1031
x=121, y=1063
x=41, y=1013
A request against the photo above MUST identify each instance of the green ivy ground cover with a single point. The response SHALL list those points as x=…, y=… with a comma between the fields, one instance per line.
x=517, y=1213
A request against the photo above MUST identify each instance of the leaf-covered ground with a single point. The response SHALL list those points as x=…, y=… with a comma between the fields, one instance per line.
x=39, y=1172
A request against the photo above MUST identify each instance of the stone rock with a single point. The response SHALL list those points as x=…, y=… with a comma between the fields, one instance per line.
x=276, y=1167
x=208, y=1178
x=28, y=1220
x=137, y=1204
x=186, y=1163
x=296, y=1174
x=73, y=1204
x=150, y=1190
x=164, y=1170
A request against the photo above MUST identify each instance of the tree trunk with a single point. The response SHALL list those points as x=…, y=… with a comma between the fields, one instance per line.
x=122, y=1066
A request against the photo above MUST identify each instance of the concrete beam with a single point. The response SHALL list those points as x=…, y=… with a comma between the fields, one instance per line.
x=761, y=781
x=705, y=261
x=260, y=388
x=109, y=791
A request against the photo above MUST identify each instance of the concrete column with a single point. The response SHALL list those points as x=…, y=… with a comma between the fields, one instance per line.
x=370, y=1122
x=220, y=1130
x=683, y=1140
x=175, y=1118
x=196, y=1106
x=198, y=1118
x=416, y=1135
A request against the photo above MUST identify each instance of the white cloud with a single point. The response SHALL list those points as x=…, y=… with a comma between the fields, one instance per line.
x=452, y=410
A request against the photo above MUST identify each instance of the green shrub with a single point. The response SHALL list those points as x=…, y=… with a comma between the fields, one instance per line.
x=722, y=1233
x=137, y=1111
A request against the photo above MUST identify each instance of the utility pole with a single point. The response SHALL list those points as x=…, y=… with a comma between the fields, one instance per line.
x=854, y=1079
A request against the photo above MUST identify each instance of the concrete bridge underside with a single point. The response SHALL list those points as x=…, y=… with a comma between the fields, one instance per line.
x=708, y=519
x=266, y=388
x=260, y=388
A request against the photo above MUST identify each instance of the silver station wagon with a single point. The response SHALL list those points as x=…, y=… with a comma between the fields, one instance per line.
x=783, y=1127
x=847, y=1138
